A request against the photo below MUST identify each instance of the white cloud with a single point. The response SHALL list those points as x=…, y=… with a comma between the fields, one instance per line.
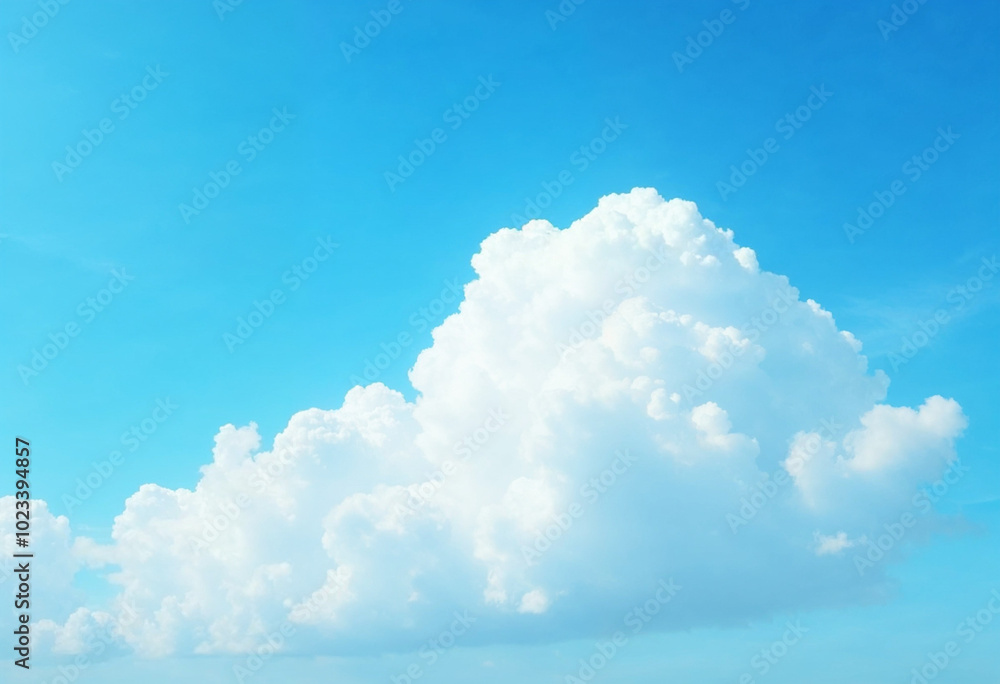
x=826, y=544
x=51, y=582
x=369, y=525
x=535, y=601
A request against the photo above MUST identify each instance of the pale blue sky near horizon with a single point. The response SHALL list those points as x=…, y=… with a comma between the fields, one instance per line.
x=211, y=83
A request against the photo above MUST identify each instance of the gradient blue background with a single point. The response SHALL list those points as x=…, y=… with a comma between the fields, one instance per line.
x=163, y=336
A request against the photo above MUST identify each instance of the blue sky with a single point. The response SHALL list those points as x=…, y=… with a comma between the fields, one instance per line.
x=402, y=246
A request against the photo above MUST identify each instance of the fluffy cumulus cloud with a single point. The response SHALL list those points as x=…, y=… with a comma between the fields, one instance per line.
x=621, y=402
